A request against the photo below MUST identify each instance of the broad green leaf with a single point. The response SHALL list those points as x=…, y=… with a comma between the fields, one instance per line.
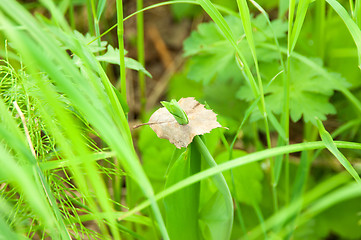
x=309, y=93
x=181, y=208
x=88, y=38
x=217, y=224
x=343, y=219
x=212, y=217
x=213, y=57
x=112, y=56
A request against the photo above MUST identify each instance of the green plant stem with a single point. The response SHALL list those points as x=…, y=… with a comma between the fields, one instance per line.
x=141, y=58
x=90, y=20
x=352, y=9
x=258, y=212
x=71, y=15
x=195, y=167
x=282, y=8
x=120, y=32
x=320, y=27
x=301, y=176
x=246, y=21
x=96, y=22
x=220, y=8
x=286, y=123
x=219, y=179
x=286, y=95
x=357, y=13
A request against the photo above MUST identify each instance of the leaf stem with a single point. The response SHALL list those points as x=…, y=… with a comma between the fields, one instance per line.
x=218, y=178
x=141, y=58
x=120, y=32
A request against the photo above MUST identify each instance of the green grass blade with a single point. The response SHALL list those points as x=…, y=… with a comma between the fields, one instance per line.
x=120, y=32
x=23, y=179
x=350, y=24
x=56, y=14
x=252, y=157
x=297, y=26
x=141, y=57
x=7, y=233
x=285, y=214
x=100, y=8
x=331, y=146
x=347, y=192
x=82, y=95
x=223, y=26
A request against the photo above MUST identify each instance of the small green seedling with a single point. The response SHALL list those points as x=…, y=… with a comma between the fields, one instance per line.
x=178, y=113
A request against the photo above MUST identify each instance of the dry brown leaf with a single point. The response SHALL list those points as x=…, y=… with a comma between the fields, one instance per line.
x=201, y=121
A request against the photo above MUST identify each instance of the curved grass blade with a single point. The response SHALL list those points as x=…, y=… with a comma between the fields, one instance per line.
x=252, y=157
x=331, y=146
x=350, y=24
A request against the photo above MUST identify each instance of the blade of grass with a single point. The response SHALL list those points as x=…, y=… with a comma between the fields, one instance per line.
x=318, y=192
x=345, y=193
x=350, y=24
x=120, y=33
x=90, y=108
x=331, y=146
x=219, y=7
x=320, y=21
x=252, y=157
x=96, y=12
x=302, y=8
x=6, y=232
x=216, y=16
x=140, y=49
x=247, y=26
x=357, y=13
x=56, y=14
x=23, y=179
